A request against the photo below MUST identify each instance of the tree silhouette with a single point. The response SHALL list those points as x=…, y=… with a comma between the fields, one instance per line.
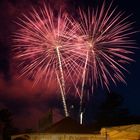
x=6, y=120
x=111, y=111
x=5, y=116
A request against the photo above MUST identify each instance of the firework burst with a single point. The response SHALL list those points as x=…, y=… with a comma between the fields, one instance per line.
x=44, y=48
x=105, y=39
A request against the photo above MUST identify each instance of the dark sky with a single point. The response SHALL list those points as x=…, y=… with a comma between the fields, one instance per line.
x=26, y=102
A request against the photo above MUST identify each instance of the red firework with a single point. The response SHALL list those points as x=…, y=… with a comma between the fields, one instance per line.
x=96, y=47
x=44, y=48
x=105, y=39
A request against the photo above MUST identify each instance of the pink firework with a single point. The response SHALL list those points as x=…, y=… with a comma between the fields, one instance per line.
x=105, y=39
x=44, y=48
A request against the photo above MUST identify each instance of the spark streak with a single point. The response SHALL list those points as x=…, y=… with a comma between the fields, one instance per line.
x=61, y=82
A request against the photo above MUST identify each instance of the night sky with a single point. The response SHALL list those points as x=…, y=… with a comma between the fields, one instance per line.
x=28, y=104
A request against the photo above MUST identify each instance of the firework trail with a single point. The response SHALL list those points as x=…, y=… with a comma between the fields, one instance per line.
x=106, y=40
x=43, y=47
